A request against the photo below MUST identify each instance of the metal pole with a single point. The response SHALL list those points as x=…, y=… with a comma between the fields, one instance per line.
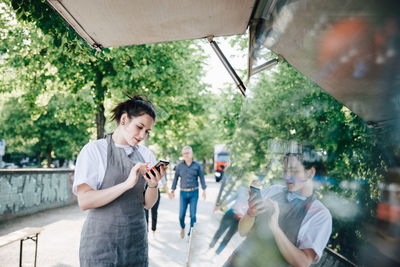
x=223, y=183
x=189, y=256
x=228, y=66
x=36, y=241
x=265, y=65
x=20, y=252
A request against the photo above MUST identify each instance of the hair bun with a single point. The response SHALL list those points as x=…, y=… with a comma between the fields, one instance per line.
x=134, y=106
x=137, y=97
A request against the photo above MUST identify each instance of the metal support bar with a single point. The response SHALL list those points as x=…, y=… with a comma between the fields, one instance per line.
x=58, y=6
x=265, y=65
x=340, y=256
x=36, y=241
x=223, y=183
x=227, y=65
x=189, y=255
x=20, y=252
x=33, y=238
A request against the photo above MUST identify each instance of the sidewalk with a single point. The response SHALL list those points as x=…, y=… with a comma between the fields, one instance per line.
x=59, y=241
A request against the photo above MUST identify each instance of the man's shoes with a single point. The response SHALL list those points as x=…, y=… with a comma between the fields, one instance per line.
x=182, y=233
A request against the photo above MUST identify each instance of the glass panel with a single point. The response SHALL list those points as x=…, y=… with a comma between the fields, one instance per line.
x=326, y=159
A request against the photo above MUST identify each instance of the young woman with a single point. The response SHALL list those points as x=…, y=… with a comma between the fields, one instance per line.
x=110, y=182
x=287, y=225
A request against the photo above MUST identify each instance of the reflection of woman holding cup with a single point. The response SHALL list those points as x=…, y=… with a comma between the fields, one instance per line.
x=288, y=225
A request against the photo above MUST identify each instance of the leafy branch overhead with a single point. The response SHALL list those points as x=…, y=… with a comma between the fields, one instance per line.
x=48, y=58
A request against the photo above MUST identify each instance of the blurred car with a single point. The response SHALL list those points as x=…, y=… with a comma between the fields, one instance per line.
x=9, y=165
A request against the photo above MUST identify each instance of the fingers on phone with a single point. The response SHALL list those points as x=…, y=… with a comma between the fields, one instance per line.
x=148, y=174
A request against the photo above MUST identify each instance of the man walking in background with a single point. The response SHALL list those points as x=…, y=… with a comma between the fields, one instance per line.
x=189, y=171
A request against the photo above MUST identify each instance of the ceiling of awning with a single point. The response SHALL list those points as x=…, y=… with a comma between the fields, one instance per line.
x=106, y=23
x=350, y=48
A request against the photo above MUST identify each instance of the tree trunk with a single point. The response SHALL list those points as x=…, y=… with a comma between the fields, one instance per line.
x=100, y=121
x=48, y=156
x=99, y=100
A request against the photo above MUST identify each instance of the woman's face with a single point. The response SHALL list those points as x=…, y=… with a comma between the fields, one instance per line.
x=135, y=129
x=295, y=174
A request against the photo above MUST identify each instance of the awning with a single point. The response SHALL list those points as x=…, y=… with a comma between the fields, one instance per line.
x=106, y=23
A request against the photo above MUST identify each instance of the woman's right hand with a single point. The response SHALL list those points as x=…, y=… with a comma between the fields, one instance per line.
x=256, y=206
x=133, y=177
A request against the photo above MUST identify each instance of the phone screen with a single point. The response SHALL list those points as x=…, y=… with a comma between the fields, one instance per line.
x=158, y=166
x=257, y=191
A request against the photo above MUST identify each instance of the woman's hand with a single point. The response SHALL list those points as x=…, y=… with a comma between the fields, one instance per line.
x=133, y=177
x=273, y=220
x=154, y=179
x=256, y=206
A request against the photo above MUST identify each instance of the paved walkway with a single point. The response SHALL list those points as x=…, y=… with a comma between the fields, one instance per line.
x=59, y=242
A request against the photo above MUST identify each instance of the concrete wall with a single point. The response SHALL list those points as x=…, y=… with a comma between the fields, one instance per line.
x=25, y=191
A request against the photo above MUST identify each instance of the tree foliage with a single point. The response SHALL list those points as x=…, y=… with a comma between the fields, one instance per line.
x=48, y=57
x=282, y=104
x=37, y=109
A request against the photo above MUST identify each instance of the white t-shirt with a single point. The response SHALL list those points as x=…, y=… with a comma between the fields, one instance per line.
x=91, y=163
x=241, y=198
x=316, y=227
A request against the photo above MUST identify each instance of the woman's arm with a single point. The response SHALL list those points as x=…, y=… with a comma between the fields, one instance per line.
x=245, y=224
x=90, y=199
x=256, y=207
x=150, y=197
x=293, y=255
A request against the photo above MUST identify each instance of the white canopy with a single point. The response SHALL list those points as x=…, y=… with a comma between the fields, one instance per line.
x=106, y=23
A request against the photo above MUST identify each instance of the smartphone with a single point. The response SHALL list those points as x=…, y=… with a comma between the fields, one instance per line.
x=158, y=167
x=255, y=190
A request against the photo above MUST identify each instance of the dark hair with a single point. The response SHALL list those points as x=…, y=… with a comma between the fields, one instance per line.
x=135, y=106
x=309, y=158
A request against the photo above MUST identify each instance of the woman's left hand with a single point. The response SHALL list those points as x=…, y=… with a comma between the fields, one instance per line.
x=273, y=220
x=154, y=179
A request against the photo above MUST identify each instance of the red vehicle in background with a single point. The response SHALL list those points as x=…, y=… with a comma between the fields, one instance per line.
x=221, y=161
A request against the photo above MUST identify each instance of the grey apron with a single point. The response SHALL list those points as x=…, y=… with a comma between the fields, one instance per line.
x=115, y=234
x=259, y=249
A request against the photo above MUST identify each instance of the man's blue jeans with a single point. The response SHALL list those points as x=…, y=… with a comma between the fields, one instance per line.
x=185, y=199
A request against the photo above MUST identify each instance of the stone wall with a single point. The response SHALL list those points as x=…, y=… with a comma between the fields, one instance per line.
x=25, y=191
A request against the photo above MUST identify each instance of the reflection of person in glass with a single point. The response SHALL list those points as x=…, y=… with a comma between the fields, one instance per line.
x=232, y=216
x=288, y=226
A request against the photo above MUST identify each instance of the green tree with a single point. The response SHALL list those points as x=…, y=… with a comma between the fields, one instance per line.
x=169, y=74
x=37, y=112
